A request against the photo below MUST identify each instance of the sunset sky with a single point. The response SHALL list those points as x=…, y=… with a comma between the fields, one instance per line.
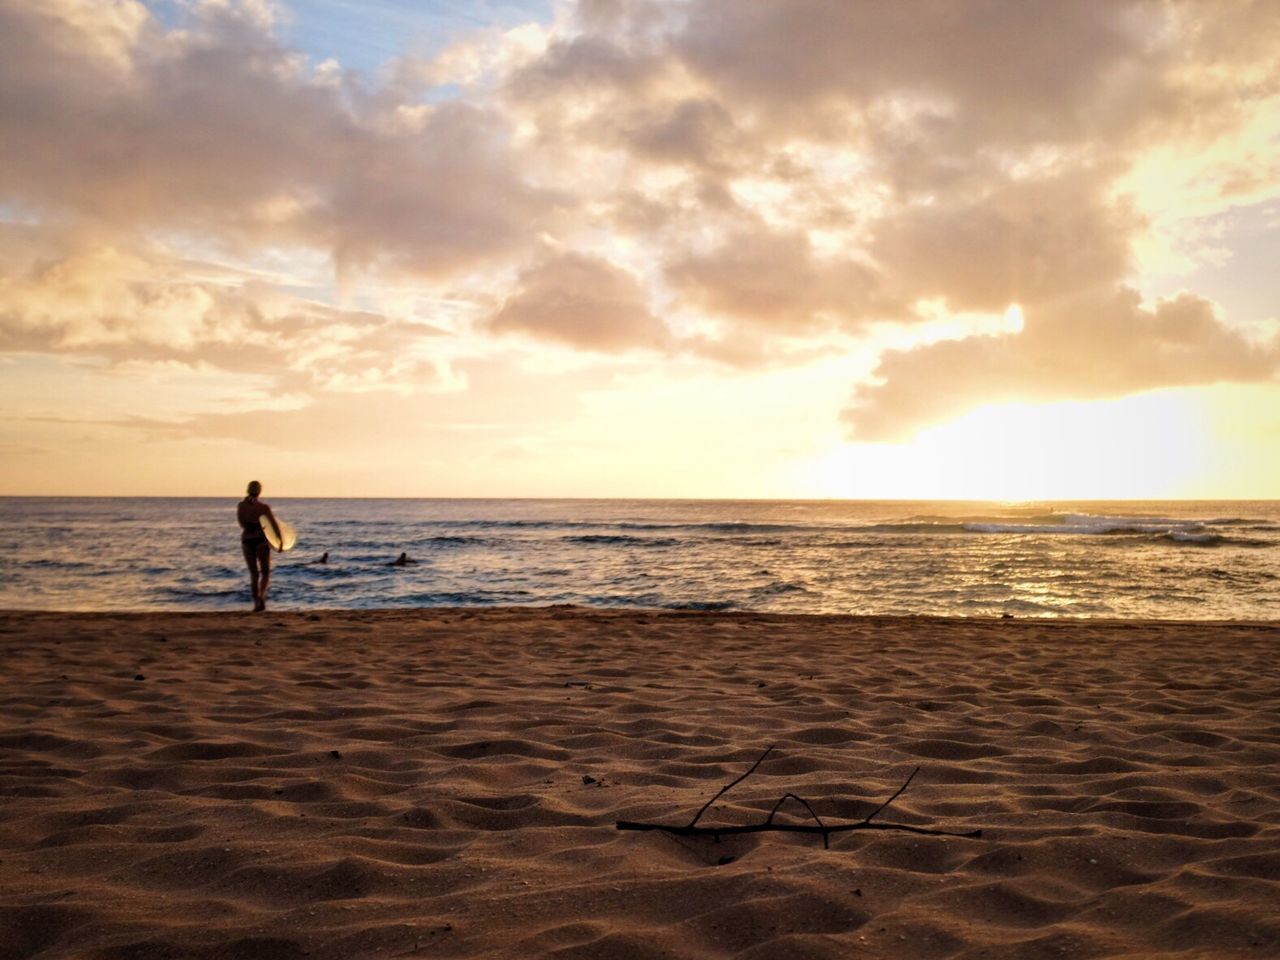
x=707, y=248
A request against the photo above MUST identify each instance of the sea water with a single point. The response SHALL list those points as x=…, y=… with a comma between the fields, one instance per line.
x=1177, y=560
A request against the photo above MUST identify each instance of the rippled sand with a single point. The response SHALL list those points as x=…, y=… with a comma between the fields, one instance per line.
x=445, y=784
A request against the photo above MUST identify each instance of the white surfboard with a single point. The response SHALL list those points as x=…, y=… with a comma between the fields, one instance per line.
x=288, y=538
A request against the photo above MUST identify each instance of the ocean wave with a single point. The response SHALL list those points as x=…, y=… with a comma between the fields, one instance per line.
x=622, y=539
x=454, y=541
x=909, y=526
x=778, y=589
x=1200, y=539
x=649, y=601
x=1090, y=529
x=456, y=598
x=1084, y=524
x=491, y=524
x=1215, y=540
x=725, y=526
x=701, y=606
x=45, y=563
x=193, y=593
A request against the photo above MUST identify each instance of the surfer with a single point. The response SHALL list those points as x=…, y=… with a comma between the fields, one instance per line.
x=253, y=540
x=324, y=557
x=402, y=561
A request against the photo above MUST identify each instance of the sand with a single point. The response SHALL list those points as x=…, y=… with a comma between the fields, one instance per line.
x=446, y=784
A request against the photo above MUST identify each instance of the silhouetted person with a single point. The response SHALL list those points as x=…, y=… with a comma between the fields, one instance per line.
x=253, y=540
x=402, y=561
x=324, y=557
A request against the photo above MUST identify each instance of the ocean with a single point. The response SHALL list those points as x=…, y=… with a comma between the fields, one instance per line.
x=1167, y=559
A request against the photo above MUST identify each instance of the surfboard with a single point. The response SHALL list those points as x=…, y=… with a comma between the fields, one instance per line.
x=287, y=541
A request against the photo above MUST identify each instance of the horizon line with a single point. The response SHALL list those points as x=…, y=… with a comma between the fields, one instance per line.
x=689, y=499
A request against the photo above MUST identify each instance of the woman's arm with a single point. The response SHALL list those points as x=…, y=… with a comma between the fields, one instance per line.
x=272, y=516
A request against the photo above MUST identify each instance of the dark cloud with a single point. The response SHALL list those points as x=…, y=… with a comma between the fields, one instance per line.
x=696, y=132
x=776, y=280
x=1001, y=71
x=582, y=301
x=1015, y=241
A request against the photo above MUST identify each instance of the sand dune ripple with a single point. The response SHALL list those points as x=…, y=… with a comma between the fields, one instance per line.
x=445, y=783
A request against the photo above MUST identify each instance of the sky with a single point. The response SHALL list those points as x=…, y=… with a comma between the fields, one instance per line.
x=971, y=249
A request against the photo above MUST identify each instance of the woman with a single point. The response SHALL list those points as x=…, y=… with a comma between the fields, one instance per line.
x=253, y=540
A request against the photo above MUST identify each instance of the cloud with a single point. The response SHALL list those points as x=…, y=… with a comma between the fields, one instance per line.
x=582, y=301
x=977, y=75
x=776, y=280
x=1010, y=241
x=804, y=166
x=1083, y=347
x=760, y=172
x=694, y=132
x=127, y=304
x=220, y=130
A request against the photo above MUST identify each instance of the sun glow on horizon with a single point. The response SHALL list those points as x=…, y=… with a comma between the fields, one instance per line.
x=1149, y=446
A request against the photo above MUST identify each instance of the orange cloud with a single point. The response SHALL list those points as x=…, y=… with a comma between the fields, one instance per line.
x=126, y=304
x=1090, y=346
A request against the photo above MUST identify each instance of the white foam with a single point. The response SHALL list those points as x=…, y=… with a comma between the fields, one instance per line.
x=1088, y=524
x=1185, y=537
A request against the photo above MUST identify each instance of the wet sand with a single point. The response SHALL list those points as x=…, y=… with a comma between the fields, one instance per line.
x=446, y=784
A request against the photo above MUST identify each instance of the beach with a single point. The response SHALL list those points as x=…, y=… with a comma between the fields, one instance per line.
x=447, y=783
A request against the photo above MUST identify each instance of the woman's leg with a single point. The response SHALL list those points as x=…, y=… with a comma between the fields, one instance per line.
x=251, y=560
x=264, y=578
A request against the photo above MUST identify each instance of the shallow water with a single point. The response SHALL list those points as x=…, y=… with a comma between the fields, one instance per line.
x=1180, y=560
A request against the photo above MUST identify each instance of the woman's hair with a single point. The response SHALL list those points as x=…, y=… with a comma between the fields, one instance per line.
x=255, y=488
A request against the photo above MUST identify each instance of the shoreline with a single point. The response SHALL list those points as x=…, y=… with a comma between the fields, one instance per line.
x=447, y=782
x=516, y=609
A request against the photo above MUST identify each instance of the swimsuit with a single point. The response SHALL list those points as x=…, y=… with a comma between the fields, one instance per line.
x=252, y=534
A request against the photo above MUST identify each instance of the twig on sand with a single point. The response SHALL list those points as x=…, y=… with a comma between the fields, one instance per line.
x=691, y=829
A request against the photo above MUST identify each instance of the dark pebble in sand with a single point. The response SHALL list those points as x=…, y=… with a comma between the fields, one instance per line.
x=335, y=754
x=588, y=780
x=138, y=676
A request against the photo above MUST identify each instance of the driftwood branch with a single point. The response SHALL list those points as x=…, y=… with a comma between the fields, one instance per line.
x=691, y=829
x=727, y=787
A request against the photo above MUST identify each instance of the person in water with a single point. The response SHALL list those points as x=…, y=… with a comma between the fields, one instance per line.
x=253, y=540
x=402, y=561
